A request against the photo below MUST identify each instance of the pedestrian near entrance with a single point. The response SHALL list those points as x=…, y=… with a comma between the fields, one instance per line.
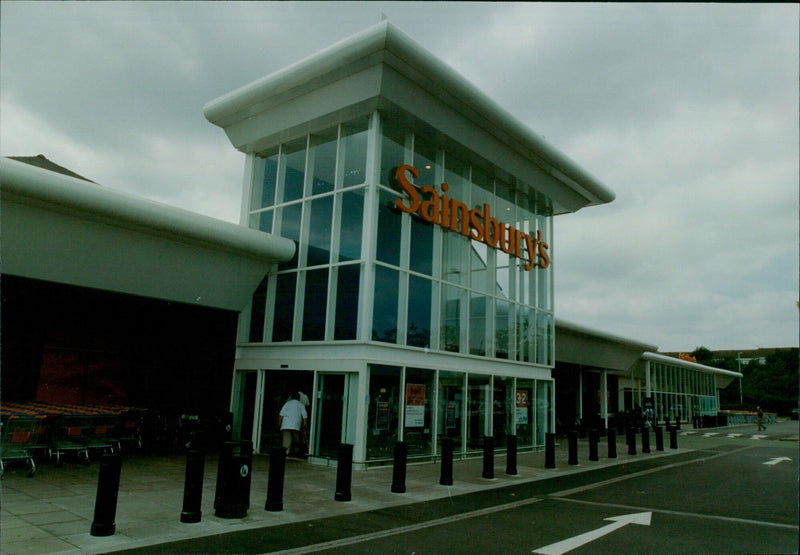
x=293, y=418
x=760, y=419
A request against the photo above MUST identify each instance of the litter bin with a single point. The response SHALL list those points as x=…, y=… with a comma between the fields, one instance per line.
x=232, y=499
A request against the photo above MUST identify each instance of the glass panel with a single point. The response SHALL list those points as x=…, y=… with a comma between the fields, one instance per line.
x=452, y=300
x=523, y=406
x=480, y=410
x=264, y=195
x=503, y=411
x=545, y=274
x=392, y=150
x=502, y=329
x=384, y=311
x=544, y=409
x=456, y=258
x=456, y=175
x=544, y=338
x=322, y=157
x=284, y=307
x=262, y=221
x=382, y=418
x=353, y=152
x=295, y=161
x=479, y=266
x=319, y=233
x=314, y=307
x=524, y=331
x=418, y=417
x=389, y=228
x=352, y=222
x=477, y=325
x=425, y=162
x=290, y=228
x=347, y=301
x=421, y=256
x=451, y=405
x=257, y=311
x=419, y=312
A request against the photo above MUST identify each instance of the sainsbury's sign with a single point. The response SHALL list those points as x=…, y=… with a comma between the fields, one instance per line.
x=478, y=224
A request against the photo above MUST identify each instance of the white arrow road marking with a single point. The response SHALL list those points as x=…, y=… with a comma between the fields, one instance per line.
x=687, y=433
x=773, y=462
x=711, y=434
x=757, y=437
x=617, y=522
x=734, y=435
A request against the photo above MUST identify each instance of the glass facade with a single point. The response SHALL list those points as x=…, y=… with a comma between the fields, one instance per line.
x=432, y=286
x=682, y=392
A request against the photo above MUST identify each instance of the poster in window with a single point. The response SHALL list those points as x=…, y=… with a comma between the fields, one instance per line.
x=450, y=415
x=522, y=400
x=415, y=405
x=382, y=415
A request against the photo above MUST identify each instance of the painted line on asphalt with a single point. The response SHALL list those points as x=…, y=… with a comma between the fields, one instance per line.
x=624, y=477
x=681, y=513
x=403, y=529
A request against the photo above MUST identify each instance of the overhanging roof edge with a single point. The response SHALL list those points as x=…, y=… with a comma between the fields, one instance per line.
x=664, y=359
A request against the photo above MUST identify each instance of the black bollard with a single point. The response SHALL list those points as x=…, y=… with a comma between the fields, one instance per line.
x=446, y=477
x=344, y=473
x=105, y=506
x=275, y=480
x=573, y=447
x=488, y=457
x=659, y=438
x=193, y=486
x=645, y=440
x=511, y=455
x=673, y=438
x=631, y=439
x=594, y=439
x=612, y=443
x=399, y=469
x=549, y=450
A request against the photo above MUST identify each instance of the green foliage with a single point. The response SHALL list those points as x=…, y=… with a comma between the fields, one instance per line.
x=703, y=355
x=773, y=385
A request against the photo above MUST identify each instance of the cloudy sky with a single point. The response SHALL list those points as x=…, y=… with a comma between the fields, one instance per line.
x=688, y=112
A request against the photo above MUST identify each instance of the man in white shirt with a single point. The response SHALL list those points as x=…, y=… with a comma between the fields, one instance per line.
x=293, y=417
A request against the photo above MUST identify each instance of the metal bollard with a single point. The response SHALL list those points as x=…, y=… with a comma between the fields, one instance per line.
x=612, y=443
x=645, y=440
x=193, y=486
x=631, y=439
x=446, y=476
x=275, y=480
x=673, y=438
x=488, y=457
x=659, y=438
x=549, y=450
x=399, y=468
x=344, y=473
x=594, y=439
x=105, y=506
x=511, y=455
x=573, y=447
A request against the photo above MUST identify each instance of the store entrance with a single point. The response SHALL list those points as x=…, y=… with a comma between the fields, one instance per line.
x=330, y=410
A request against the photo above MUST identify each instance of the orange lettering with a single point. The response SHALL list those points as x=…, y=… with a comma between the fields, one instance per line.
x=408, y=187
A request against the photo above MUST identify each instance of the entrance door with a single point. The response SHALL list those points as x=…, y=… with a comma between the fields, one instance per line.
x=330, y=413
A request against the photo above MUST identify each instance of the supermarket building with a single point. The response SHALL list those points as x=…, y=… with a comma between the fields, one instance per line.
x=394, y=261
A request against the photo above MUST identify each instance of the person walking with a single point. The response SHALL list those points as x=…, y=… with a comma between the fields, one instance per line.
x=760, y=419
x=293, y=418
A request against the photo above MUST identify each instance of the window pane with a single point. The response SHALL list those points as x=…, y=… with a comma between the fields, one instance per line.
x=453, y=299
x=451, y=405
x=315, y=305
x=524, y=331
x=383, y=417
x=384, y=313
x=354, y=153
x=257, y=311
x=295, y=160
x=502, y=330
x=319, y=234
x=290, y=228
x=418, y=417
x=389, y=226
x=477, y=325
x=351, y=227
x=264, y=195
x=479, y=267
x=262, y=221
x=392, y=150
x=480, y=410
x=456, y=250
x=421, y=247
x=284, y=307
x=347, y=301
x=456, y=175
x=524, y=403
x=323, y=157
x=419, y=312
x=425, y=162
